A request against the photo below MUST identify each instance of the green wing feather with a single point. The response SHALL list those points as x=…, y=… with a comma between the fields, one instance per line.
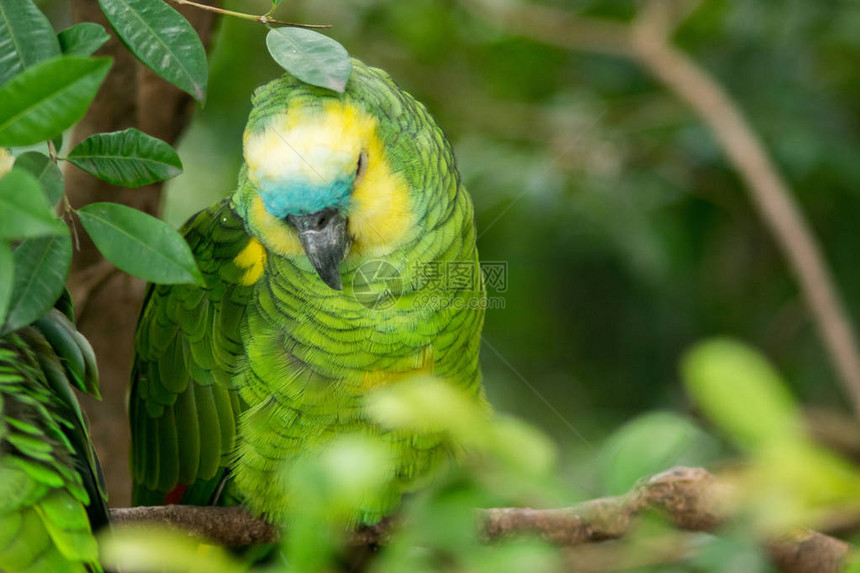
x=188, y=347
x=52, y=494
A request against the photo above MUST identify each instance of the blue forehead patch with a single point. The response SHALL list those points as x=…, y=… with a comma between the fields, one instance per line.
x=282, y=198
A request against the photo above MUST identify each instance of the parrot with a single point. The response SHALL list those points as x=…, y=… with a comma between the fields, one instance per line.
x=52, y=491
x=324, y=280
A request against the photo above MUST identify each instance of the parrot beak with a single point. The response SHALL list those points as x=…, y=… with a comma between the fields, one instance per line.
x=324, y=239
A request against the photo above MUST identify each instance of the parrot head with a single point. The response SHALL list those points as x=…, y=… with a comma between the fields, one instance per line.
x=330, y=175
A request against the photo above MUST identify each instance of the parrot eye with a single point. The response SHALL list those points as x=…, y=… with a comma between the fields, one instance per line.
x=362, y=162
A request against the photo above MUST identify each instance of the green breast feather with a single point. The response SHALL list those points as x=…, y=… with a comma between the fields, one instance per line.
x=325, y=279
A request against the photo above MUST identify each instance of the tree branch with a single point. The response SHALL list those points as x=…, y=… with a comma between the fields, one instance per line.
x=690, y=498
x=647, y=40
x=227, y=526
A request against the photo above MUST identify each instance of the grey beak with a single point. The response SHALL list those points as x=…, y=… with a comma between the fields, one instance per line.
x=324, y=239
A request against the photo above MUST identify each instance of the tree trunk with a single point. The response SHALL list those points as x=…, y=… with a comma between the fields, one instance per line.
x=107, y=301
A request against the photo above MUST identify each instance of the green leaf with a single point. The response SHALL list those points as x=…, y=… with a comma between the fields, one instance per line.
x=127, y=158
x=427, y=405
x=26, y=38
x=41, y=267
x=650, y=444
x=7, y=277
x=141, y=548
x=140, y=244
x=162, y=40
x=311, y=57
x=521, y=447
x=44, y=100
x=741, y=393
x=82, y=39
x=24, y=209
x=46, y=173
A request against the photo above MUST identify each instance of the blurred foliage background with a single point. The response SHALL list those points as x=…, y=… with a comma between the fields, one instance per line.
x=627, y=236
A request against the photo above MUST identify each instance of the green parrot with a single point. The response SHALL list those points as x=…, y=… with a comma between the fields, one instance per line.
x=326, y=277
x=52, y=493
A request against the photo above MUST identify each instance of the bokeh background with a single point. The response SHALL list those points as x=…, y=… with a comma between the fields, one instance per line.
x=628, y=236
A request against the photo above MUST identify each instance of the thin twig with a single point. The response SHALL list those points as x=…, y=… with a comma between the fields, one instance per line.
x=647, y=41
x=262, y=18
x=692, y=499
x=52, y=151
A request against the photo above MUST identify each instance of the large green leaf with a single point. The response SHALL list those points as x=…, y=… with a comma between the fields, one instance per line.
x=127, y=158
x=310, y=56
x=46, y=173
x=140, y=244
x=24, y=209
x=41, y=267
x=82, y=39
x=7, y=277
x=139, y=549
x=26, y=38
x=741, y=393
x=163, y=40
x=649, y=444
x=44, y=100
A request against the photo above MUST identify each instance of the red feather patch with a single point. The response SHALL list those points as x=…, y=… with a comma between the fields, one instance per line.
x=175, y=496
